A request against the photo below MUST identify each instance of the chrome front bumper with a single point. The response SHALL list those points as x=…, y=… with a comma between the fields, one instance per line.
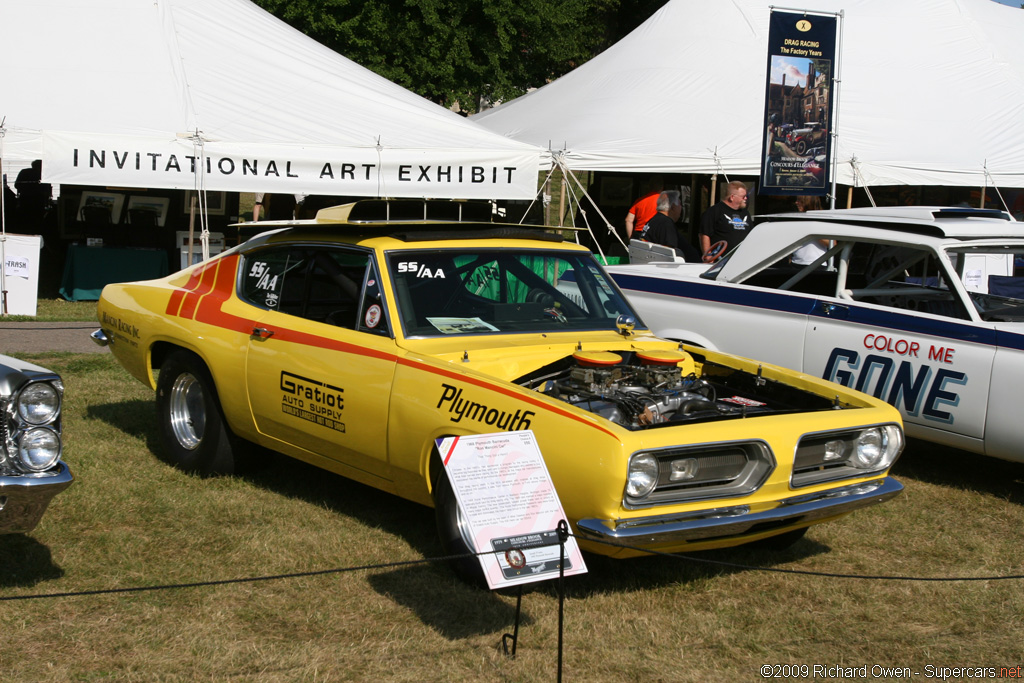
x=24, y=498
x=720, y=523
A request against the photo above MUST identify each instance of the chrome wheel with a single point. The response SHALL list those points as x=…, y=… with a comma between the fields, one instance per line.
x=187, y=411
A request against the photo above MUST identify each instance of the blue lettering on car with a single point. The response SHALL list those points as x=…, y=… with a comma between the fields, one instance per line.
x=922, y=392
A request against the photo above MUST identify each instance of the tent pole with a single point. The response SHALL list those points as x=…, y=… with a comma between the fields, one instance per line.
x=561, y=201
x=547, y=203
x=3, y=226
x=849, y=198
x=837, y=79
x=191, y=229
x=714, y=182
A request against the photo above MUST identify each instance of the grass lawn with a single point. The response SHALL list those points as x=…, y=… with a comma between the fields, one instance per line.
x=130, y=520
x=58, y=310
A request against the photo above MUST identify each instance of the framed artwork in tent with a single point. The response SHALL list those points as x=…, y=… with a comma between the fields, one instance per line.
x=216, y=202
x=93, y=204
x=157, y=205
x=616, y=191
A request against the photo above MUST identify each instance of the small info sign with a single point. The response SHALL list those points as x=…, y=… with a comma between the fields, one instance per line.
x=505, y=492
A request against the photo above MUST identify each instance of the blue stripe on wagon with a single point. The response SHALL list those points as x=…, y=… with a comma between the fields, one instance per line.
x=777, y=301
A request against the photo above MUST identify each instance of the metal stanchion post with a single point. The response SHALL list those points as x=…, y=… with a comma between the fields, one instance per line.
x=514, y=636
x=563, y=536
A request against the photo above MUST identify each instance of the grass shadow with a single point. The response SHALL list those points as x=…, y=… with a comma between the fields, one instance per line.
x=412, y=522
x=453, y=609
x=24, y=561
x=136, y=418
x=958, y=469
x=295, y=479
x=606, y=574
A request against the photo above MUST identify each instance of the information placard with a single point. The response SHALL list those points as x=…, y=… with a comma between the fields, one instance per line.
x=511, y=507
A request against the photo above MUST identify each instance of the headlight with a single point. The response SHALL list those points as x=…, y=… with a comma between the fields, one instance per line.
x=38, y=449
x=642, y=476
x=831, y=456
x=38, y=403
x=877, y=447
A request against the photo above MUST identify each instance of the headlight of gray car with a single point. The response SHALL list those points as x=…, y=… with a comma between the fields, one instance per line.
x=38, y=449
x=38, y=403
x=828, y=456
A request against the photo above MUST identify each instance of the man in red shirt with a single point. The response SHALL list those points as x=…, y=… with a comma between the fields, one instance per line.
x=644, y=208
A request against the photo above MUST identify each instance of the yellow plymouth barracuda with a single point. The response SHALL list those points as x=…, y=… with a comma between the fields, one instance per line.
x=356, y=340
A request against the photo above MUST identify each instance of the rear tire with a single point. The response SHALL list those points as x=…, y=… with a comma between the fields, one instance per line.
x=193, y=432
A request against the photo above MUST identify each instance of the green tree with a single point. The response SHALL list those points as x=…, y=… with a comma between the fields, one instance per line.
x=462, y=50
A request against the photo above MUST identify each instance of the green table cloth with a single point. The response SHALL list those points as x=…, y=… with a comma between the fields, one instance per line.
x=88, y=269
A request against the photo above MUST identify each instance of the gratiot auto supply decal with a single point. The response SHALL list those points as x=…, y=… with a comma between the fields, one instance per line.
x=312, y=400
x=887, y=370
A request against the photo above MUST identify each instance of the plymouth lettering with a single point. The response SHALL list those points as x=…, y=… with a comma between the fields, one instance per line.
x=459, y=408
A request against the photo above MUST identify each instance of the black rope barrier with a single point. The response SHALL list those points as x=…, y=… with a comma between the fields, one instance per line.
x=447, y=558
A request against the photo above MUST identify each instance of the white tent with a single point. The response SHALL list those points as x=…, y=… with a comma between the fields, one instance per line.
x=221, y=95
x=931, y=93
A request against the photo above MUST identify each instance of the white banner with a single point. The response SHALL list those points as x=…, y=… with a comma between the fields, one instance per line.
x=176, y=163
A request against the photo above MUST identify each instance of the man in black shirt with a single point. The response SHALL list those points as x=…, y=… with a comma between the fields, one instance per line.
x=661, y=228
x=727, y=221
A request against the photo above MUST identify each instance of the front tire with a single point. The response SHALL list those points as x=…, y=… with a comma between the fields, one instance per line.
x=454, y=533
x=193, y=432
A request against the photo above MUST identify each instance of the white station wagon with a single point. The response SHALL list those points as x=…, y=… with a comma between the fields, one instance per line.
x=920, y=306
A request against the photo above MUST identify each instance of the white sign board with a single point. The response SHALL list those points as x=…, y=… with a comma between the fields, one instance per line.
x=505, y=492
x=20, y=262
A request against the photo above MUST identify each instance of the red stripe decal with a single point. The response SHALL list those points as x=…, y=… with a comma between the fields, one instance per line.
x=174, y=303
x=448, y=455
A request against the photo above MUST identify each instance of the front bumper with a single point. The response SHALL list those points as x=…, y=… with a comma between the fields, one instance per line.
x=24, y=498
x=723, y=523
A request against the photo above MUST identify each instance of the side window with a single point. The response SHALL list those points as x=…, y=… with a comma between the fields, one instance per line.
x=321, y=284
x=275, y=279
x=902, y=277
x=789, y=274
x=335, y=282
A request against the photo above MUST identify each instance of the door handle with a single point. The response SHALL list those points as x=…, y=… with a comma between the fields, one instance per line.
x=262, y=332
x=831, y=310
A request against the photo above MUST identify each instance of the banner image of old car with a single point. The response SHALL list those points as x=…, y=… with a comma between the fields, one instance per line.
x=798, y=104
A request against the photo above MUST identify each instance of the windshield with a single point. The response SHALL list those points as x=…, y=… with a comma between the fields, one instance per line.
x=486, y=291
x=994, y=277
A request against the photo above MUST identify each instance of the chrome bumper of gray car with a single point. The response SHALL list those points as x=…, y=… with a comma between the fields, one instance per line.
x=23, y=499
x=707, y=525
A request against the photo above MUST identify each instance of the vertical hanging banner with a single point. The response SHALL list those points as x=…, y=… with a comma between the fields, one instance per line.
x=797, y=151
